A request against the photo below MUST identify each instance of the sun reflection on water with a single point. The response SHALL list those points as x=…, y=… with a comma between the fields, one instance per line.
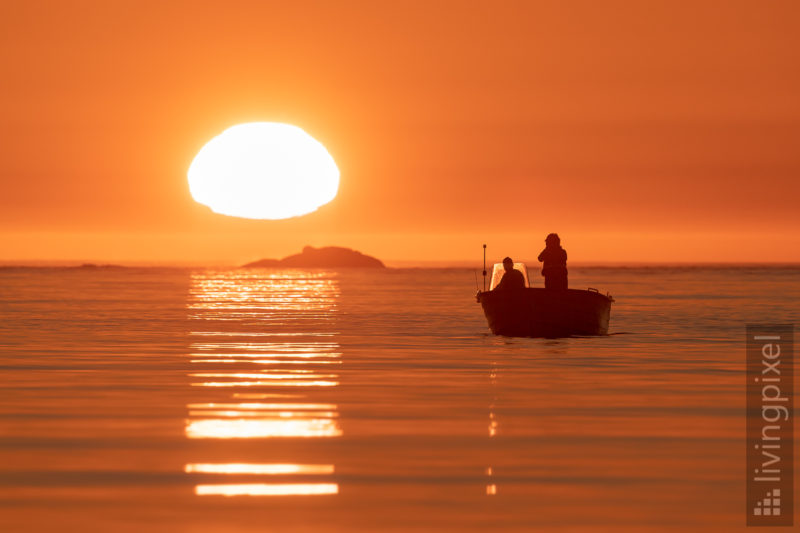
x=253, y=329
x=267, y=489
x=249, y=468
x=261, y=428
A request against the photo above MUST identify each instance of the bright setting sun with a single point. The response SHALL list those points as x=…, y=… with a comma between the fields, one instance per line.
x=263, y=170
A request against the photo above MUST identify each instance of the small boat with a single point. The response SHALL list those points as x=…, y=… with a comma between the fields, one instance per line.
x=540, y=312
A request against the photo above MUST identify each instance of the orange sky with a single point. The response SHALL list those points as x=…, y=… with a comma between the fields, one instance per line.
x=640, y=131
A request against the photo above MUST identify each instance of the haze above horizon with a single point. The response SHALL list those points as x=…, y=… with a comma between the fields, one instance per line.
x=647, y=133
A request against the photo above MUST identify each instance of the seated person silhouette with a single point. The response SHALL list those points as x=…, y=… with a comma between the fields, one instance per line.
x=554, y=263
x=512, y=279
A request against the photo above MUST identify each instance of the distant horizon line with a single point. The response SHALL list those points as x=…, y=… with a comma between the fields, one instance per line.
x=398, y=264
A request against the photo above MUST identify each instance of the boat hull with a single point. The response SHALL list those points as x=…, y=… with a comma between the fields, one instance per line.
x=537, y=312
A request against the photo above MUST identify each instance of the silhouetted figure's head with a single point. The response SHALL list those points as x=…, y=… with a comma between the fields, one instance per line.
x=508, y=264
x=553, y=240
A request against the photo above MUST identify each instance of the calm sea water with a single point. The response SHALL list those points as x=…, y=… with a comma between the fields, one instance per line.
x=267, y=400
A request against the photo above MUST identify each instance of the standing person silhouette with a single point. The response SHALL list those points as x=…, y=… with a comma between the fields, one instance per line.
x=554, y=263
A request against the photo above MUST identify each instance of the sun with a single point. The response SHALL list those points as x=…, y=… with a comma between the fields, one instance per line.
x=263, y=170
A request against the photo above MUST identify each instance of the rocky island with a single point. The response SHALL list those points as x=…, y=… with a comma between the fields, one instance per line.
x=326, y=257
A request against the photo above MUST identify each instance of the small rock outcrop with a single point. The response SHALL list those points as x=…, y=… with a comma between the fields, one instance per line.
x=326, y=257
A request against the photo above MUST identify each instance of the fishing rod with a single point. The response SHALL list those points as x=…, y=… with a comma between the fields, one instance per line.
x=484, y=268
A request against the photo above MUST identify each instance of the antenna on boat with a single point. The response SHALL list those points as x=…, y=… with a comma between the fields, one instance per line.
x=484, y=268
